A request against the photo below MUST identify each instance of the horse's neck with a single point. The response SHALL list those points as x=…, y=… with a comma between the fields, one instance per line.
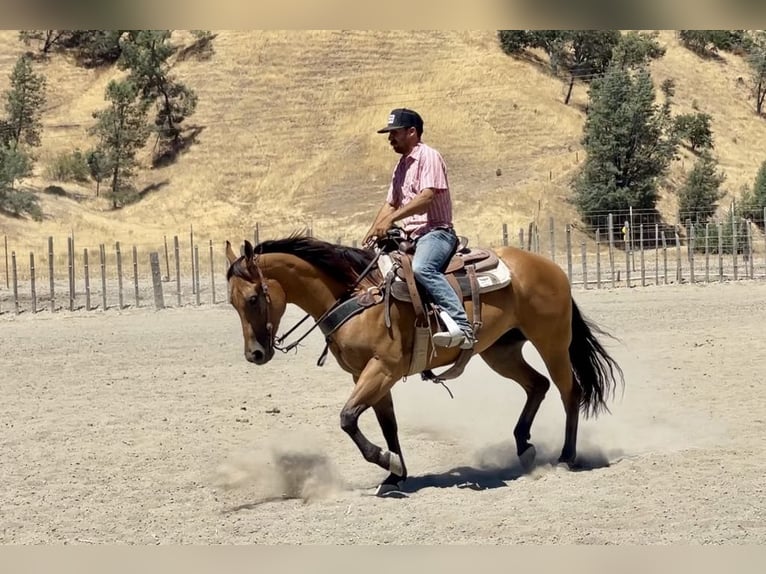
x=304, y=285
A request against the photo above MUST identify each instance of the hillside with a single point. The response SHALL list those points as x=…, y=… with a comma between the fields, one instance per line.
x=288, y=122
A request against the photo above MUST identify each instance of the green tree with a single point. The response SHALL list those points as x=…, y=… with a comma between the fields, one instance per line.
x=146, y=55
x=24, y=102
x=122, y=130
x=753, y=200
x=637, y=48
x=15, y=164
x=90, y=47
x=699, y=195
x=757, y=61
x=708, y=42
x=695, y=129
x=98, y=166
x=629, y=143
x=579, y=54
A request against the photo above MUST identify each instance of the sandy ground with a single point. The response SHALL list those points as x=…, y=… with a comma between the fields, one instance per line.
x=144, y=427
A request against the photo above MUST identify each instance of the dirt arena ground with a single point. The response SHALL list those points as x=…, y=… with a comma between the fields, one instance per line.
x=143, y=427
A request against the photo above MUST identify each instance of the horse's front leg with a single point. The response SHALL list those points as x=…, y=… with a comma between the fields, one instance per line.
x=372, y=388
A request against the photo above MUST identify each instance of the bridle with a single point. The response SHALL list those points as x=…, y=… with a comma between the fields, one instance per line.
x=267, y=298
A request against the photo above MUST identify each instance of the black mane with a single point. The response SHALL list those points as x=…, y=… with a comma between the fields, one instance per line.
x=340, y=262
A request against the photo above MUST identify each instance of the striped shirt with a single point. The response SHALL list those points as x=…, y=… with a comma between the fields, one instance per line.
x=421, y=169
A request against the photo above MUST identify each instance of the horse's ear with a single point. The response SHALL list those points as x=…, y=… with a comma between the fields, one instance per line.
x=230, y=255
x=248, y=250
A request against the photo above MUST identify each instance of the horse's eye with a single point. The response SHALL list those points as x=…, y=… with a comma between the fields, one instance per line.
x=253, y=299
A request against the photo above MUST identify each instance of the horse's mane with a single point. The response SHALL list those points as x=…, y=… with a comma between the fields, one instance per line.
x=340, y=262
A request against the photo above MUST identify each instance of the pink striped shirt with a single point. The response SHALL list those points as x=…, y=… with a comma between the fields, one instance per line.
x=421, y=169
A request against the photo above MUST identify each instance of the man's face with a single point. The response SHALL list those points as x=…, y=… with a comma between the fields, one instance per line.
x=403, y=140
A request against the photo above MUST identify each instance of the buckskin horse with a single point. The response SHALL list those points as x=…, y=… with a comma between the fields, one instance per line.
x=375, y=341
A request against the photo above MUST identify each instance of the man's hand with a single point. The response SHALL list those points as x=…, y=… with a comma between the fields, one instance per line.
x=378, y=230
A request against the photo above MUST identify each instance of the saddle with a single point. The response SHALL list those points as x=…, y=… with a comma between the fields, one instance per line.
x=470, y=272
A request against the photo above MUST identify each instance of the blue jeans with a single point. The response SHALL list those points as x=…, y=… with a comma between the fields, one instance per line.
x=432, y=253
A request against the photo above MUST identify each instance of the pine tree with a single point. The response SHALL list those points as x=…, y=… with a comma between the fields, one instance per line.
x=122, y=131
x=24, y=102
x=698, y=197
x=629, y=143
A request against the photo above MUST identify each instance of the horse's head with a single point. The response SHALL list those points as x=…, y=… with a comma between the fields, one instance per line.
x=260, y=302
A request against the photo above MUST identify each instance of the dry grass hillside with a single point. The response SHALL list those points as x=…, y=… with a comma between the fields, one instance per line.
x=288, y=138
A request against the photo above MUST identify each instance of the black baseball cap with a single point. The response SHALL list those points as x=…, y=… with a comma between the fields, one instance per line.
x=403, y=118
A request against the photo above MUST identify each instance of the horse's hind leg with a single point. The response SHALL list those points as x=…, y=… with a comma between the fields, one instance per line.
x=560, y=368
x=505, y=358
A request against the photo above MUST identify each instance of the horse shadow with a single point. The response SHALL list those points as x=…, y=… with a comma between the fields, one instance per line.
x=487, y=477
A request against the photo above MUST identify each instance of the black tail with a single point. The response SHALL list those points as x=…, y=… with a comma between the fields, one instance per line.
x=594, y=369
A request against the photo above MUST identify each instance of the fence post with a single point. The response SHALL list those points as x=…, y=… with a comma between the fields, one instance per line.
x=569, y=251
x=641, y=248
x=119, y=275
x=679, y=271
x=734, y=244
x=154, y=260
x=692, y=247
x=86, y=269
x=15, y=283
x=257, y=233
x=664, y=258
x=720, y=252
x=707, y=252
x=750, y=249
x=167, y=259
x=70, y=259
x=177, y=250
x=628, y=253
x=212, y=274
x=521, y=238
x=32, y=281
x=102, y=257
x=7, y=278
x=552, y=228
x=656, y=253
x=505, y=234
x=50, y=274
x=584, y=265
x=196, y=271
x=598, y=259
x=191, y=254
x=135, y=274
x=610, y=232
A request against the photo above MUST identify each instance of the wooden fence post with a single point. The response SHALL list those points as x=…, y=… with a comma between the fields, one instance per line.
x=656, y=253
x=641, y=248
x=212, y=274
x=50, y=275
x=664, y=258
x=584, y=265
x=627, y=253
x=86, y=270
x=191, y=254
x=15, y=283
x=196, y=271
x=569, y=251
x=135, y=275
x=70, y=260
x=552, y=232
x=167, y=259
x=610, y=232
x=7, y=278
x=102, y=258
x=521, y=238
x=750, y=249
x=598, y=259
x=707, y=252
x=118, y=253
x=505, y=234
x=720, y=252
x=154, y=261
x=692, y=248
x=32, y=281
x=734, y=244
x=177, y=250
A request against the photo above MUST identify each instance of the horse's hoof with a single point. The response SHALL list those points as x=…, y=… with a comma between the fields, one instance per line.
x=527, y=458
x=387, y=490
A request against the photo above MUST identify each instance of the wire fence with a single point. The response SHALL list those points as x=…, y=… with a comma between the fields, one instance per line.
x=623, y=249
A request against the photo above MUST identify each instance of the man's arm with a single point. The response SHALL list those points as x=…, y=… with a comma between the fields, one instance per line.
x=385, y=211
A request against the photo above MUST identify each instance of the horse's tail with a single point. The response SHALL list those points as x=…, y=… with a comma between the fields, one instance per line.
x=594, y=369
